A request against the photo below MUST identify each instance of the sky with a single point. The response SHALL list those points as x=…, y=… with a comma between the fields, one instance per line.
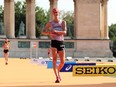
x=68, y=5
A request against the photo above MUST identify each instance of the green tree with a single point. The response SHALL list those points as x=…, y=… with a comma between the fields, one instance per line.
x=112, y=35
x=112, y=31
x=20, y=15
x=1, y=13
x=69, y=18
x=41, y=19
x=114, y=44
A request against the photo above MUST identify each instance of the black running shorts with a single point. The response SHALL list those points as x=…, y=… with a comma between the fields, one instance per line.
x=6, y=51
x=59, y=45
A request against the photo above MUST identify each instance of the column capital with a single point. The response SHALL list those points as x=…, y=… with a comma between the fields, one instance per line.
x=87, y=1
x=9, y=0
x=53, y=1
x=31, y=1
x=104, y=2
x=74, y=0
x=6, y=1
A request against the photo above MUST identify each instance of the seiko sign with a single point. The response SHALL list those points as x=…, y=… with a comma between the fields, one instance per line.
x=99, y=70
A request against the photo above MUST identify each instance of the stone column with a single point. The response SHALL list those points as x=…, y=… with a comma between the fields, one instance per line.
x=30, y=19
x=104, y=30
x=88, y=19
x=9, y=18
x=87, y=28
x=53, y=4
x=75, y=22
x=75, y=18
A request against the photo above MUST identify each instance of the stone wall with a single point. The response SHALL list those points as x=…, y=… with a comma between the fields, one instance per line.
x=85, y=48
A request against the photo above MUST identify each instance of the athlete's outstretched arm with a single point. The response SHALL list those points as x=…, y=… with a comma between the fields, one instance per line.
x=45, y=30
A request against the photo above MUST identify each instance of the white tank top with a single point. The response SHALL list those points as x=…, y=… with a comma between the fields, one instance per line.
x=58, y=27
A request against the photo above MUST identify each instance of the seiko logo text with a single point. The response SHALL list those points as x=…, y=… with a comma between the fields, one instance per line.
x=94, y=70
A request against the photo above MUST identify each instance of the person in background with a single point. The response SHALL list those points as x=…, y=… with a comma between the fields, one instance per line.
x=49, y=53
x=56, y=29
x=49, y=50
x=6, y=47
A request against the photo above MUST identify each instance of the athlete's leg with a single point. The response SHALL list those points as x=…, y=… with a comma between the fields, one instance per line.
x=62, y=58
x=6, y=58
x=54, y=55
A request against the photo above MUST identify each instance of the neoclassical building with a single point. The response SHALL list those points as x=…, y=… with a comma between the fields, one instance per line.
x=90, y=27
